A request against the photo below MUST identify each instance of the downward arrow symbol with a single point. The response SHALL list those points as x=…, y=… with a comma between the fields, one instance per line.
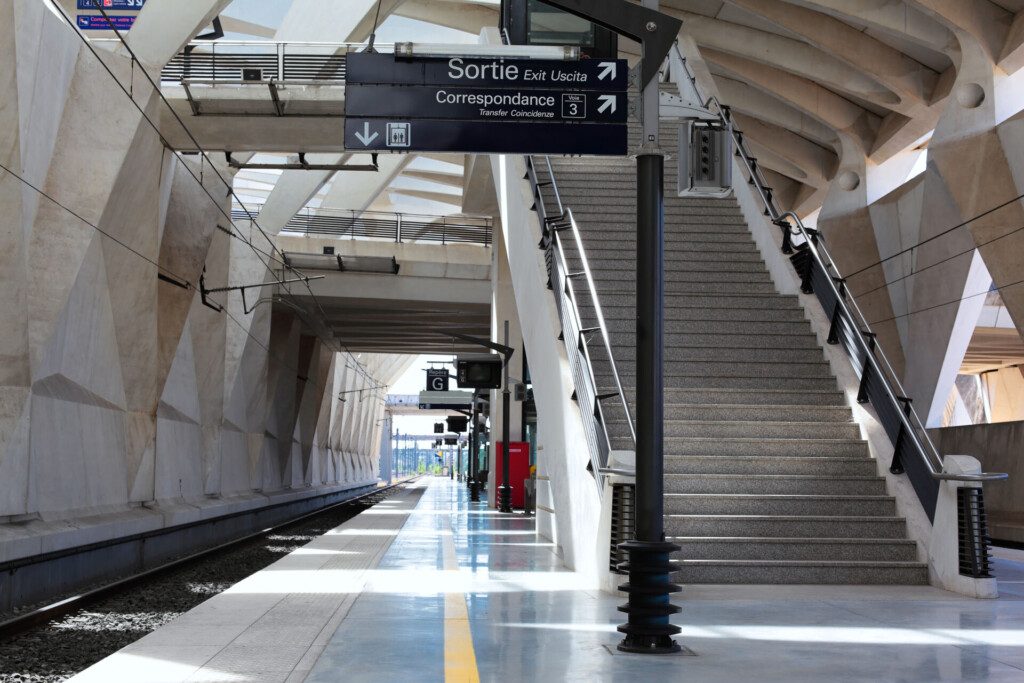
x=608, y=69
x=365, y=136
x=607, y=102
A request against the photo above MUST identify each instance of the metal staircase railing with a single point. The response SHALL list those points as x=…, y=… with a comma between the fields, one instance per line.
x=915, y=453
x=578, y=338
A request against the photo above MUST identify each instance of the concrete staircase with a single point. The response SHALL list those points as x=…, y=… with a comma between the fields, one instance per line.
x=766, y=477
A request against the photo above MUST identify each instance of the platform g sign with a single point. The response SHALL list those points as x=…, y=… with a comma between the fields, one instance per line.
x=437, y=379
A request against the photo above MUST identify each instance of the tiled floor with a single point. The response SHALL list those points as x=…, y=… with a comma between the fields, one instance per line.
x=529, y=619
x=530, y=623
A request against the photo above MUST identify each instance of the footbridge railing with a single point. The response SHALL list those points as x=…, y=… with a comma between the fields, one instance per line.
x=379, y=225
x=259, y=60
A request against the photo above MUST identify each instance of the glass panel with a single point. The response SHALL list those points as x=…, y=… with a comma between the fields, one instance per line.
x=551, y=26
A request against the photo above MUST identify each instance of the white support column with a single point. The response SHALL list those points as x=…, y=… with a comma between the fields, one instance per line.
x=165, y=26
x=504, y=308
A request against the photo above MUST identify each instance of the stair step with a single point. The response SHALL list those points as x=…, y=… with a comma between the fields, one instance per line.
x=593, y=214
x=760, y=429
x=721, y=412
x=807, y=549
x=708, y=368
x=759, y=383
x=710, y=301
x=777, y=465
x=626, y=339
x=626, y=354
x=766, y=447
x=678, y=250
x=776, y=396
x=700, y=273
x=697, y=242
x=778, y=504
x=780, y=328
x=846, y=572
x=789, y=526
x=675, y=255
x=775, y=484
x=683, y=289
x=674, y=311
x=771, y=398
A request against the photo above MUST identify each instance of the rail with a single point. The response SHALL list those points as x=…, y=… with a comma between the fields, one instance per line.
x=879, y=383
x=225, y=60
x=36, y=617
x=379, y=225
x=577, y=337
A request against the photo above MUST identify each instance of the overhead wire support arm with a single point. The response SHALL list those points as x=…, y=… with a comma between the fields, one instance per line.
x=204, y=291
x=301, y=165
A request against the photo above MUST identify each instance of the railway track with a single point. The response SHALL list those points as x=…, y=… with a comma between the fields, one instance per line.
x=55, y=641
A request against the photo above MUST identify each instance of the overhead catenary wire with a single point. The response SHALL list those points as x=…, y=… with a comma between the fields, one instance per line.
x=946, y=303
x=937, y=263
x=936, y=236
x=177, y=276
x=206, y=159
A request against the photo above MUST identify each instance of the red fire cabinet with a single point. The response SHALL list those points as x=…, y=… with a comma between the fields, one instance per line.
x=518, y=471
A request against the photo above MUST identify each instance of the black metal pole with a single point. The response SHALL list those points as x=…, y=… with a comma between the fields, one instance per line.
x=505, y=491
x=474, y=486
x=650, y=586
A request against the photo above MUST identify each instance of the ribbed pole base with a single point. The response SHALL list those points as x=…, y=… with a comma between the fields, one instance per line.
x=649, y=607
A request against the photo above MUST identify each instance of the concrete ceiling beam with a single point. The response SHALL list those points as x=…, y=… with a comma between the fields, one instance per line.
x=293, y=190
x=894, y=18
x=357, y=190
x=828, y=108
x=450, y=179
x=455, y=15
x=910, y=80
x=164, y=27
x=766, y=107
x=817, y=164
x=1011, y=59
x=982, y=20
x=790, y=55
x=441, y=197
x=331, y=21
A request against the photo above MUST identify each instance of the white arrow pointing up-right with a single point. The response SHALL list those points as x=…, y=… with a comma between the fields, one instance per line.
x=608, y=69
x=607, y=101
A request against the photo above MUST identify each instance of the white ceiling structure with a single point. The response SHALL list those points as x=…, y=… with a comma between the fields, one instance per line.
x=796, y=72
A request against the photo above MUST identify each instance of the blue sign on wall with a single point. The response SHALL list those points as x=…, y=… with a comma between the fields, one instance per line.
x=99, y=23
x=112, y=4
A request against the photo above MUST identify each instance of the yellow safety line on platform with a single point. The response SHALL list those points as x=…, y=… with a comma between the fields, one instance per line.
x=459, y=656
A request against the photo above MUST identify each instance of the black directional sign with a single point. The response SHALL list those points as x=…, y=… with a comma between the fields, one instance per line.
x=440, y=102
x=485, y=105
x=363, y=68
x=483, y=137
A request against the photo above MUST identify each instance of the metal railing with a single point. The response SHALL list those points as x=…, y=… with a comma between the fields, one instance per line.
x=224, y=60
x=577, y=337
x=914, y=454
x=378, y=225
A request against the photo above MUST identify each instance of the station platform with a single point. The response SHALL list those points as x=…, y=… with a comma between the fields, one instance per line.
x=426, y=586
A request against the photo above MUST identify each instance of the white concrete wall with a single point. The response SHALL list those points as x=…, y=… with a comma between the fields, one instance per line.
x=125, y=404
x=562, y=455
